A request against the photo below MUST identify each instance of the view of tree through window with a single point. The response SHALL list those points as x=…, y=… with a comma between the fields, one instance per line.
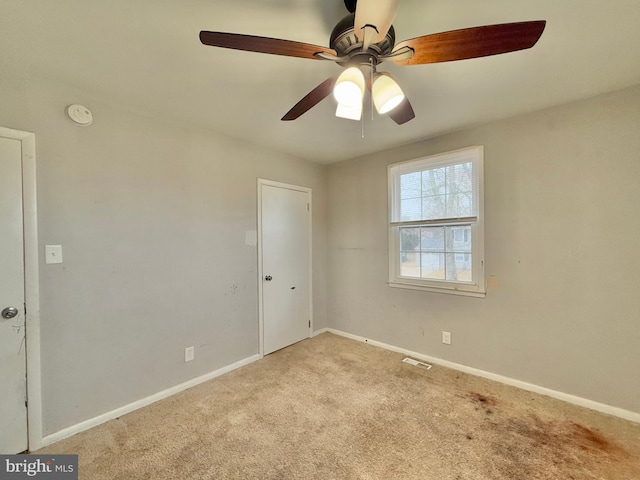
x=445, y=192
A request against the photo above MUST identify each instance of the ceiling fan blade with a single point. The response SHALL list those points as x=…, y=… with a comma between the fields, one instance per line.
x=472, y=42
x=378, y=13
x=274, y=46
x=402, y=113
x=310, y=100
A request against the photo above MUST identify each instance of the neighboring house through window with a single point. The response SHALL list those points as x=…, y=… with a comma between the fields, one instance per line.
x=436, y=220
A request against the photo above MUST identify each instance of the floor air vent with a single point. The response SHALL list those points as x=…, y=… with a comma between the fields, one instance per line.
x=416, y=363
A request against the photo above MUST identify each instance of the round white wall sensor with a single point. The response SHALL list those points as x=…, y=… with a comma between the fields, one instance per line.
x=80, y=115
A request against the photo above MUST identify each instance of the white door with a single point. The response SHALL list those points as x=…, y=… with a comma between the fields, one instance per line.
x=285, y=244
x=13, y=376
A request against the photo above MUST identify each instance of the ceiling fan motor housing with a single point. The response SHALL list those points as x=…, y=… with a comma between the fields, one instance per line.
x=347, y=44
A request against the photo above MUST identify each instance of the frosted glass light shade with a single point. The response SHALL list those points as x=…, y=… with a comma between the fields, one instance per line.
x=349, y=87
x=353, y=112
x=387, y=94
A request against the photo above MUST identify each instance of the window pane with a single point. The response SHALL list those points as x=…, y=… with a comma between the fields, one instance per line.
x=432, y=238
x=410, y=185
x=434, y=207
x=459, y=267
x=434, y=182
x=409, y=239
x=410, y=209
x=410, y=264
x=460, y=178
x=460, y=205
x=458, y=239
x=433, y=266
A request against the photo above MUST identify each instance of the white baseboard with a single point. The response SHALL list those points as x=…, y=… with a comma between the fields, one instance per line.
x=118, y=412
x=582, y=402
x=319, y=332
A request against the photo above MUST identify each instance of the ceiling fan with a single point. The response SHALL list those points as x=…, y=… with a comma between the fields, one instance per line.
x=364, y=39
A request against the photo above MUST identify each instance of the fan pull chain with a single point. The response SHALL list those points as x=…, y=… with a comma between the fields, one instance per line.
x=371, y=90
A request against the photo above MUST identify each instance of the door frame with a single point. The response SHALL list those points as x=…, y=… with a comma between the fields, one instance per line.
x=298, y=188
x=31, y=282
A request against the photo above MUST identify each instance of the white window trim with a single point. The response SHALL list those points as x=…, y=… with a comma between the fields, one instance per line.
x=476, y=289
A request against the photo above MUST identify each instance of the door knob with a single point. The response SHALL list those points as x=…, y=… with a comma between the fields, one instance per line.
x=9, y=312
x=268, y=278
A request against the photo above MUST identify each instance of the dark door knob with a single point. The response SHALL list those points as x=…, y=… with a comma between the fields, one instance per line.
x=268, y=278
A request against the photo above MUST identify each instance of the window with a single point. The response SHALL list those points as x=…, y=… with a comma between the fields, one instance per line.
x=436, y=223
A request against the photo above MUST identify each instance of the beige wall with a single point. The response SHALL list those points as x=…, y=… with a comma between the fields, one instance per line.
x=152, y=219
x=562, y=200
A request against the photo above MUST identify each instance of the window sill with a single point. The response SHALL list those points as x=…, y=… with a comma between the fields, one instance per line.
x=445, y=290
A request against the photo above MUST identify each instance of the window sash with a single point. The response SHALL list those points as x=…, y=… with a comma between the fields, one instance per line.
x=396, y=264
x=460, y=157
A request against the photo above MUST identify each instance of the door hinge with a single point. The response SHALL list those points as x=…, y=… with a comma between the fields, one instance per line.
x=308, y=207
x=309, y=323
x=25, y=308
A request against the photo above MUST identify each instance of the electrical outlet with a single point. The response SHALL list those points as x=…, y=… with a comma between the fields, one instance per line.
x=446, y=338
x=189, y=354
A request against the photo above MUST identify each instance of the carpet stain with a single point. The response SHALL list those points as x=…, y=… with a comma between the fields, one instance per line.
x=593, y=441
x=565, y=437
x=484, y=400
x=524, y=443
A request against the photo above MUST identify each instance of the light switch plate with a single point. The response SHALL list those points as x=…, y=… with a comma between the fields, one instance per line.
x=53, y=253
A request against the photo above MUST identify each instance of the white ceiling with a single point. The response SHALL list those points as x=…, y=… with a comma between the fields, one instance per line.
x=147, y=52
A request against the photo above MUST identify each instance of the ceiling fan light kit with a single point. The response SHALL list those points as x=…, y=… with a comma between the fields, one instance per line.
x=386, y=93
x=364, y=39
x=349, y=88
x=349, y=112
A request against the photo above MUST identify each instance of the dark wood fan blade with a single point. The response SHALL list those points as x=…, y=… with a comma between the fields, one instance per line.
x=402, y=113
x=473, y=42
x=252, y=43
x=312, y=98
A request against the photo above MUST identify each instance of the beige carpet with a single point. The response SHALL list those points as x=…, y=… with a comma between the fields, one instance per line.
x=332, y=408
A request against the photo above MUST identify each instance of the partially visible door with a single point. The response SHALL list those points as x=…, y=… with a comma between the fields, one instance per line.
x=13, y=410
x=285, y=243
